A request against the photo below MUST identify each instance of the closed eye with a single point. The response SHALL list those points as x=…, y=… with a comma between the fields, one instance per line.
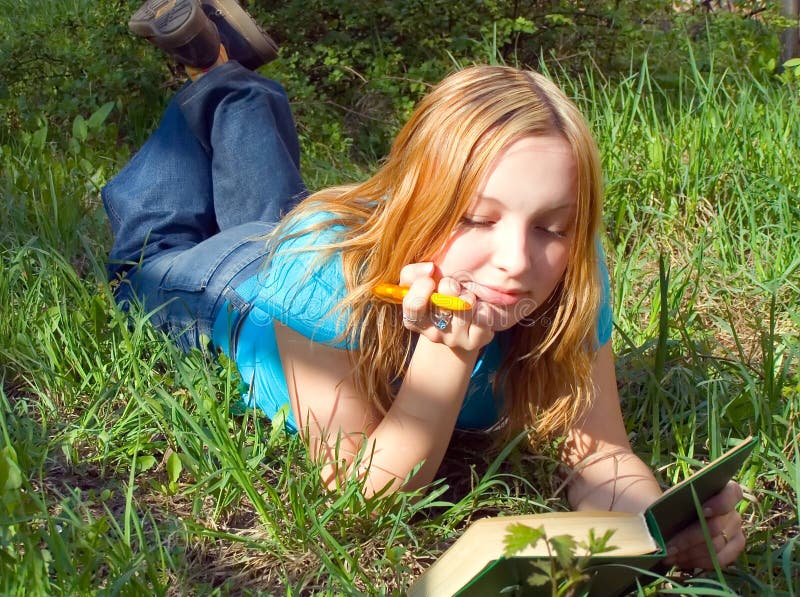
x=555, y=232
x=475, y=222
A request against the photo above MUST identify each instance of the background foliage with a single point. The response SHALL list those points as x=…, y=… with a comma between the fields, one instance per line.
x=367, y=59
x=356, y=68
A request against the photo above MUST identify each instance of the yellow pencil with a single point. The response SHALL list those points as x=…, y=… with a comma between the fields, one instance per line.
x=393, y=293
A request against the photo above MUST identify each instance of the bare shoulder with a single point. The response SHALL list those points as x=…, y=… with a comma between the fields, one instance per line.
x=325, y=403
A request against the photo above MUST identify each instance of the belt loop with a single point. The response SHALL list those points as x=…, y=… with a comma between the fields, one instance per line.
x=239, y=308
x=235, y=300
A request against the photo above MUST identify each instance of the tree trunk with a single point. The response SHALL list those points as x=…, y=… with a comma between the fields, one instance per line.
x=789, y=38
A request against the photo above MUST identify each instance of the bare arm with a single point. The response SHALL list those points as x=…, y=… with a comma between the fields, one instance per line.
x=338, y=423
x=607, y=474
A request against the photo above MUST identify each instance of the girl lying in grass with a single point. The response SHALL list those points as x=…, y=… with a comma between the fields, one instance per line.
x=491, y=193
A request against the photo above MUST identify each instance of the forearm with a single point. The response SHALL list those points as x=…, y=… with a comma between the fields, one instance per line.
x=612, y=480
x=606, y=475
x=347, y=435
x=418, y=426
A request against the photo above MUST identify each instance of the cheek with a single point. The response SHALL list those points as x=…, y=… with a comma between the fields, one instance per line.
x=458, y=256
x=560, y=258
x=551, y=267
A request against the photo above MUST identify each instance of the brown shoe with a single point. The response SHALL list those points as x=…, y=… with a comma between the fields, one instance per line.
x=244, y=40
x=180, y=28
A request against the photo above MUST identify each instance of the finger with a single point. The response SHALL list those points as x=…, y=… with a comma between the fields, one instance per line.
x=460, y=320
x=725, y=501
x=464, y=319
x=440, y=317
x=727, y=549
x=416, y=304
x=732, y=549
x=720, y=513
x=449, y=286
x=414, y=271
x=693, y=535
x=689, y=549
x=452, y=287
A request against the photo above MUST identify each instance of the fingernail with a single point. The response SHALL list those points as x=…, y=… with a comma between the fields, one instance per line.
x=708, y=512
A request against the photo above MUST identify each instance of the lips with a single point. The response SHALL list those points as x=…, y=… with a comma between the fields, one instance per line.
x=495, y=296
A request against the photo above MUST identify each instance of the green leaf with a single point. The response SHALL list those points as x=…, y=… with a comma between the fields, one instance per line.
x=792, y=62
x=395, y=554
x=523, y=25
x=79, y=128
x=74, y=146
x=100, y=115
x=564, y=546
x=145, y=463
x=174, y=467
x=39, y=138
x=598, y=545
x=10, y=474
x=239, y=408
x=520, y=536
x=278, y=429
x=539, y=578
x=98, y=315
x=559, y=19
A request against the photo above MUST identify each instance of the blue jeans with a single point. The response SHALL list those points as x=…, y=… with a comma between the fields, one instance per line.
x=191, y=208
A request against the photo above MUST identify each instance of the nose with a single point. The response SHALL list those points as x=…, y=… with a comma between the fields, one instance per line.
x=512, y=251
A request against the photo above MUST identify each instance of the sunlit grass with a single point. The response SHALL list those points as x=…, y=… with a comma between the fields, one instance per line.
x=127, y=467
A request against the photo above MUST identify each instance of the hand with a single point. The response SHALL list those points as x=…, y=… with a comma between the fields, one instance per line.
x=688, y=548
x=419, y=314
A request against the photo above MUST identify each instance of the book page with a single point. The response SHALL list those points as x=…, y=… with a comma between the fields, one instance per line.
x=482, y=543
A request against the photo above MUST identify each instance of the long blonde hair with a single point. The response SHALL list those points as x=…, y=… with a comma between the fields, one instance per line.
x=407, y=211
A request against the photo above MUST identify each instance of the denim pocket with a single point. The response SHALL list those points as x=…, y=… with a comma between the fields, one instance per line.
x=192, y=270
x=195, y=269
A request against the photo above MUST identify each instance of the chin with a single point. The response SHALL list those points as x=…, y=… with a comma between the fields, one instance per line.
x=497, y=318
x=505, y=326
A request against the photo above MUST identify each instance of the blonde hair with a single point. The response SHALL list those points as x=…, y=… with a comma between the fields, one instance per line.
x=407, y=211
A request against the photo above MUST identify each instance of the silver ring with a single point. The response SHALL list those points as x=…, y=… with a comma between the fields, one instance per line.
x=407, y=319
x=441, y=319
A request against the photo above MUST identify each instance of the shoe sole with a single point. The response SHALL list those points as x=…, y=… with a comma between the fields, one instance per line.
x=175, y=26
x=260, y=41
x=173, y=22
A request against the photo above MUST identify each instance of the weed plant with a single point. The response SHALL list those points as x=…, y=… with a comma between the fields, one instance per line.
x=129, y=468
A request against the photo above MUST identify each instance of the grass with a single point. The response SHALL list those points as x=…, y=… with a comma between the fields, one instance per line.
x=128, y=468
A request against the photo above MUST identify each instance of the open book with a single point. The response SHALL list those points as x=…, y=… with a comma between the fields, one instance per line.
x=475, y=564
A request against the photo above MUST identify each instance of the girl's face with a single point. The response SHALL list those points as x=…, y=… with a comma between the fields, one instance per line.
x=512, y=245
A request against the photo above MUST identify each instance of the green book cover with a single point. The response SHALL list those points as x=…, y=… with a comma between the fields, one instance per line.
x=475, y=565
x=675, y=509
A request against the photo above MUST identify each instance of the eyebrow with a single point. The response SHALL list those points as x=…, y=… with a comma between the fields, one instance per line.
x=543, y=212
